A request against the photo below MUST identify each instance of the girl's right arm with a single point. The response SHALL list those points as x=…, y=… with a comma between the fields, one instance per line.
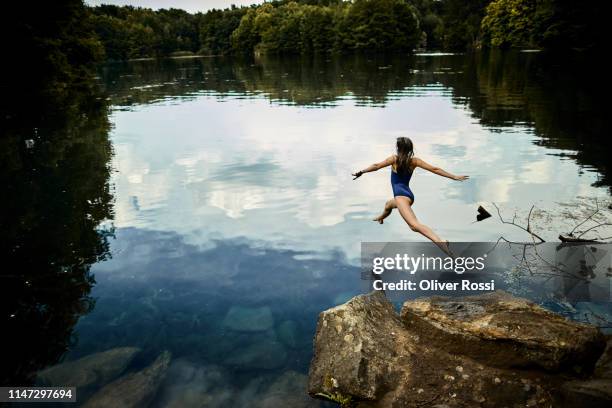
x=376, y=166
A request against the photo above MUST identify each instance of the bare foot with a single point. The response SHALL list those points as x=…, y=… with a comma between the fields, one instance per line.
x=379, y=219
x=451, y=253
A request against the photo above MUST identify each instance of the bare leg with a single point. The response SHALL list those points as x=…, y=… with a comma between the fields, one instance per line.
x=389, y=206
x=404, y=205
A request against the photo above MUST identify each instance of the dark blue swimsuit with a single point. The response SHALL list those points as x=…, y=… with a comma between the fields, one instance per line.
x=400, y=184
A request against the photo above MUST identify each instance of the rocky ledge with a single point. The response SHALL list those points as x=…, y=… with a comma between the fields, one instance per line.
x=492, y=350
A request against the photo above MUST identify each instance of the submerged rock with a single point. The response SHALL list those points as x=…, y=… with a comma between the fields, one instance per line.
x=190, y=385
x=249, y=319
x=264, y=354
x=501, y=330
x=365, y=355
x=93, y=370
x=133, y=390
x=288, y=390
x=287, y=333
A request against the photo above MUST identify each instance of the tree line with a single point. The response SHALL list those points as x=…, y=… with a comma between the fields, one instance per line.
x=65, y=37
x=316, y=26
x=328, y=26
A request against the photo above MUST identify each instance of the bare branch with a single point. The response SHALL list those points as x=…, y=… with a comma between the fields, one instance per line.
x=587, y=219
x=528, y=229
x=529, y=219
x=592, y=228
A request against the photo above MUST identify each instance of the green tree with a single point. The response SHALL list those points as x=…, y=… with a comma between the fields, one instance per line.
x=246, y=36
x=544, y=23
x=130, y=32
x=382, y=25
x=431, y=23
x=509, y=23
x=295, y=27
x=49, y=43
x=59, y=195
x=317, y=29
x=216, y=28
x=461, y=20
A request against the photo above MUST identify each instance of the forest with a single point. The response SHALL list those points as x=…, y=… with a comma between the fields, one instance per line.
x=64, y=39
x=336, y=26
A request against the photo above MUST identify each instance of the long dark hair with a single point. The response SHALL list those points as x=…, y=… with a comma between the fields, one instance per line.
x=405, y=152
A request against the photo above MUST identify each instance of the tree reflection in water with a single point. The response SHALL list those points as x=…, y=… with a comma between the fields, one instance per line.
x=55, y=173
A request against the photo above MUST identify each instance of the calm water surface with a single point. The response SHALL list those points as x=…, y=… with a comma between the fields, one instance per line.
x=228, y=218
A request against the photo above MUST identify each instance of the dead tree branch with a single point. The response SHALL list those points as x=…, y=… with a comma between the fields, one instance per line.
x=526, y=229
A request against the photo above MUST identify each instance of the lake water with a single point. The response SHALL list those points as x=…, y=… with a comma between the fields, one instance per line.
x=206, y=207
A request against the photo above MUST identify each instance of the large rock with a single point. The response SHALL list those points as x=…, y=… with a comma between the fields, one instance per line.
x=603, y=368
x=360, y=347
x=504, y=331
x=133, y=390
x=595, y=392
x=93, y=370
x=364, y=355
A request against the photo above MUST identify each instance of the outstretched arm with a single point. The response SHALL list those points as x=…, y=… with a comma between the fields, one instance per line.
x=437, y=170
x=376, y=166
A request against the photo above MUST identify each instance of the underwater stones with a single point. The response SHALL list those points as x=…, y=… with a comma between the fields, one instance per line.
x=191, y=341
x=288, y=390
x=134, y=389
x=501, y=330
x=247, y=319
x=287, y=333
x=367, y=357
x=190, y=385
x=218, y=344
x=265, y=354
x=92, y=370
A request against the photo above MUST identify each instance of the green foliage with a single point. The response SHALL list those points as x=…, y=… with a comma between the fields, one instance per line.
x=382, y=25
x=344, y=401
x=49, y=43
x=216, y=28
x=461, y=21
x=543, y=23
x=292, y=27
x=509, y=23
x=317, y=29
x=63, y=39
x=130, y=32
x=245, y=37
x=59, y=193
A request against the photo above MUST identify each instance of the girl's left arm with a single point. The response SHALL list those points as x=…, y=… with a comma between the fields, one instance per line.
x=376, y=166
